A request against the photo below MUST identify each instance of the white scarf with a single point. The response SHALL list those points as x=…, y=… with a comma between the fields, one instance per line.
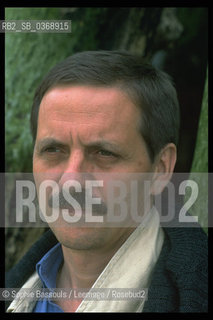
x=130, y=267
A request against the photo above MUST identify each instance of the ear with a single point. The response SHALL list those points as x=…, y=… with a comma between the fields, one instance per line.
x=164, y=167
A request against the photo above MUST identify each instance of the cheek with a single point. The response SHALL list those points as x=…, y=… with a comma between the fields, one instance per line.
x=36, y=164
x=143, y=165
x=41, y=173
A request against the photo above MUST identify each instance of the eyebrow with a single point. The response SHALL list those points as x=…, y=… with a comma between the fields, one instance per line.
x=94, y=144
x=48, y=142
x=105, y=145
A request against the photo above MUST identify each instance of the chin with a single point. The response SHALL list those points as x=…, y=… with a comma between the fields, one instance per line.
x=81, y=238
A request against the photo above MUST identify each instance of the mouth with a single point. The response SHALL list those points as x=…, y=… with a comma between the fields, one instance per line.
x=97, y=210
x=78, y=207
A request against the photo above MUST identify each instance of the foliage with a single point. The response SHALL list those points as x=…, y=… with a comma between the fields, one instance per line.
x=199, y=170
x=28, y=59
x=200, y=160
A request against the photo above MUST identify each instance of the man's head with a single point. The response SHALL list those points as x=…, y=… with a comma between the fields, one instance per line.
x=102, y=114
x=151, y=90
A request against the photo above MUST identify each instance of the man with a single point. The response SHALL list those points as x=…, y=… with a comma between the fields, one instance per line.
x=97, y=116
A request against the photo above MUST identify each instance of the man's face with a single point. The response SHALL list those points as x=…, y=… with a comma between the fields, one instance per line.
x=91, y=130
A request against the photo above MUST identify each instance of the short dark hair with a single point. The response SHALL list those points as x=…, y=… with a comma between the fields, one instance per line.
x=149, y=88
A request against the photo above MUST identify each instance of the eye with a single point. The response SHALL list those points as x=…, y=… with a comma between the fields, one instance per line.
x=106, y=153
x=51, y=150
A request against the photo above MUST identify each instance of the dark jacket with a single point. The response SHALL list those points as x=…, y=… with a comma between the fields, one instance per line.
x=179, y=281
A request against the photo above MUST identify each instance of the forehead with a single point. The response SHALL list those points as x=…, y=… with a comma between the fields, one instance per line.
x=86, y=103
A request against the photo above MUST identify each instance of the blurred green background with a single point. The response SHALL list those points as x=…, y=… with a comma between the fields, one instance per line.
x=173, y=39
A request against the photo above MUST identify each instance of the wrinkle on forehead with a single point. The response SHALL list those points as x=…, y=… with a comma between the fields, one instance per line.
x=88, y=106
x=72, y=116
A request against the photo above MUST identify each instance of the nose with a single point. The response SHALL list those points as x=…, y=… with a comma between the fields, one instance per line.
x=76, y=162
x=77, y=167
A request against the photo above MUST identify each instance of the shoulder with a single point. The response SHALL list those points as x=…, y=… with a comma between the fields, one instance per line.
x=180, y=279
x=22, y=304
x=187, y=266
x=188, y=248
x=19, y=274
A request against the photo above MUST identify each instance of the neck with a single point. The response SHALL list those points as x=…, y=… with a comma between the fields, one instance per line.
x=81, y=268
x=79, y=271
